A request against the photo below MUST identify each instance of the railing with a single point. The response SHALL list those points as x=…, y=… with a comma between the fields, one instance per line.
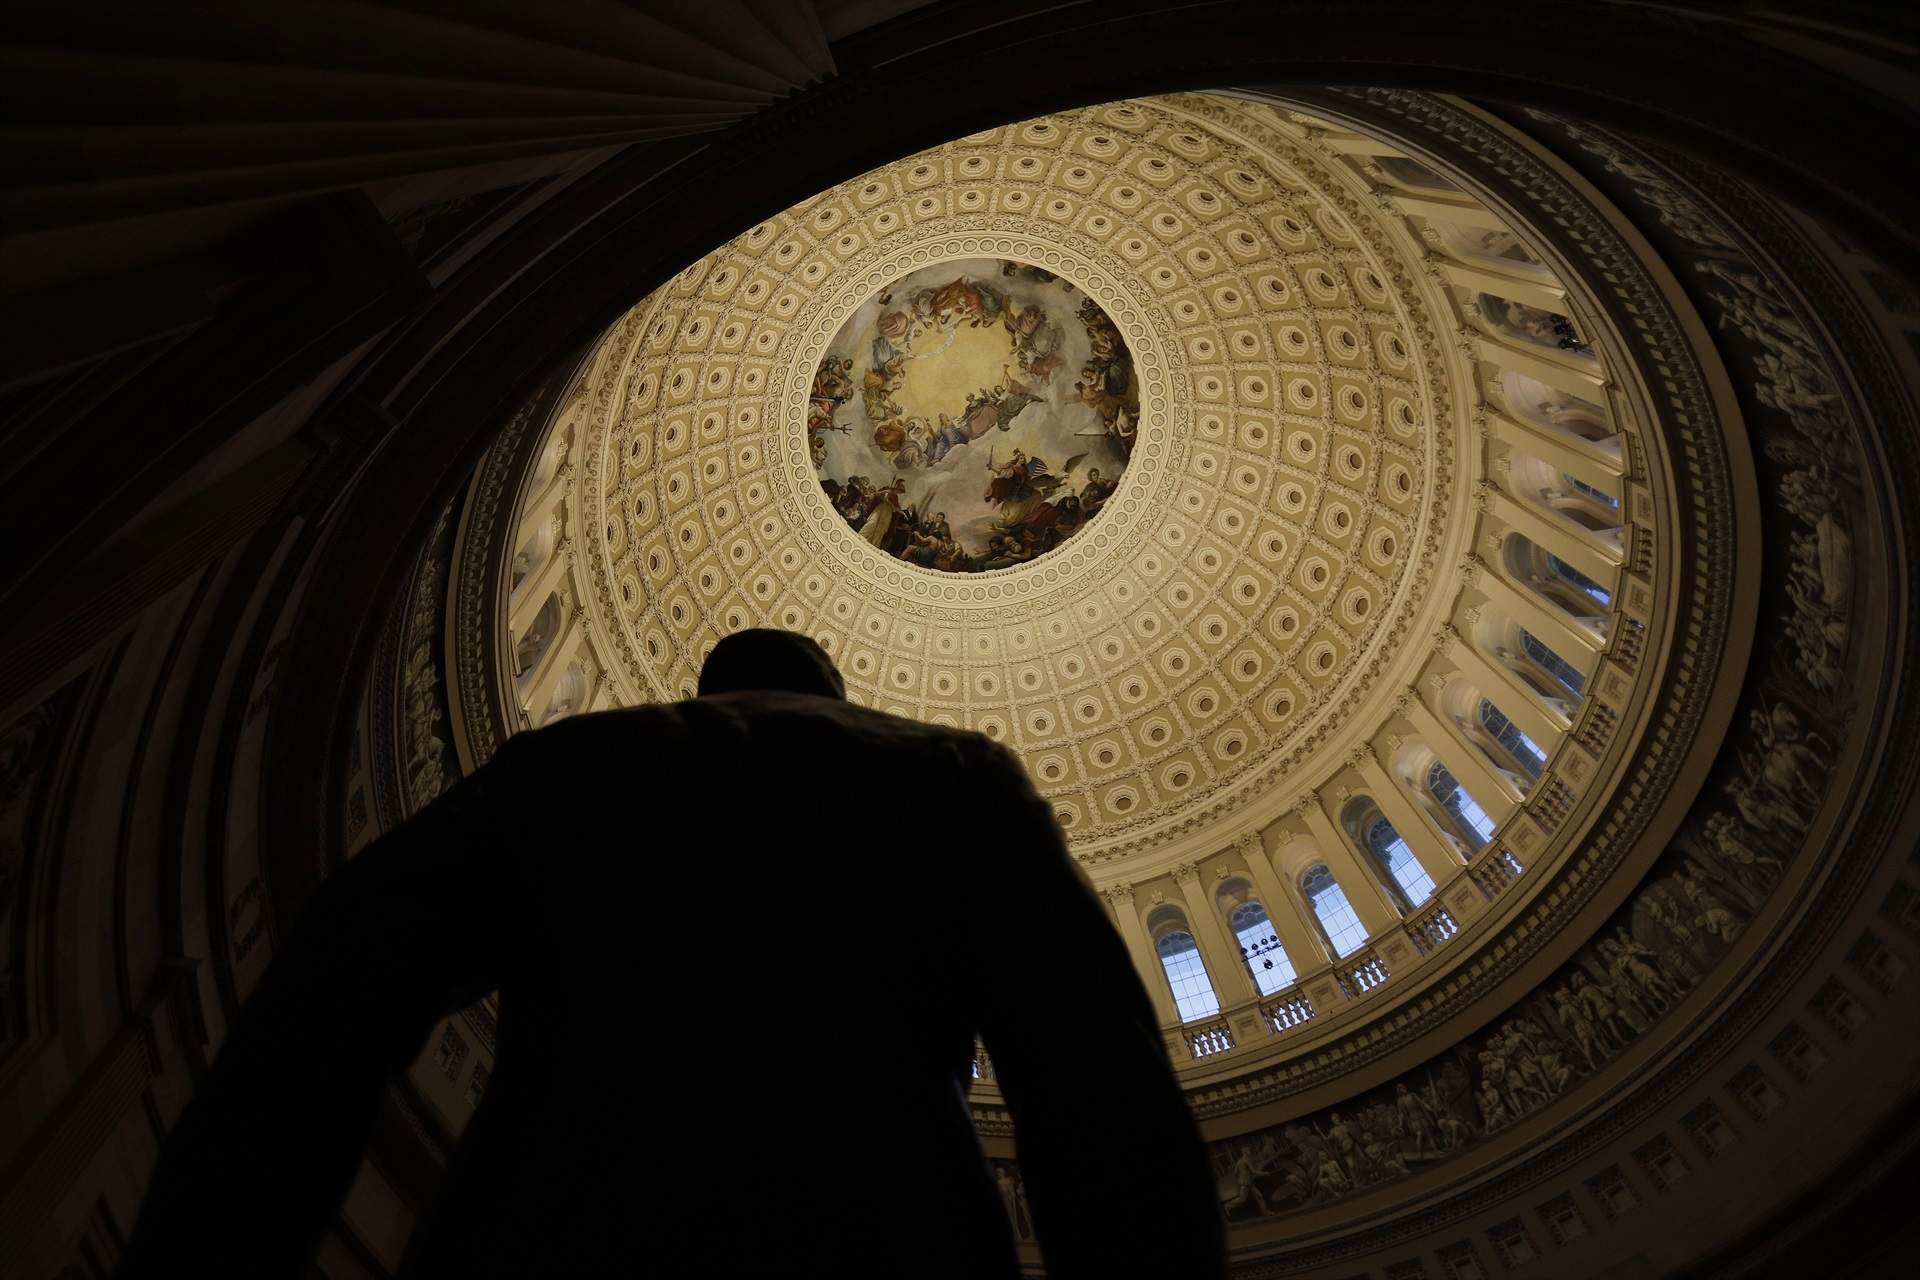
x=1495, y=870
x=1360, y=973
x=1209, y=1038
x=1431, y=927
x=1357, y=975
x=1289, y=1009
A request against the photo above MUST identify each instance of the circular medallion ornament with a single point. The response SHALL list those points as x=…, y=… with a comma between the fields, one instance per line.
x=973, y=415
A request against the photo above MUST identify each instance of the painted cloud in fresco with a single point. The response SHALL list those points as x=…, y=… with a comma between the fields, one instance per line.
x=973, y=415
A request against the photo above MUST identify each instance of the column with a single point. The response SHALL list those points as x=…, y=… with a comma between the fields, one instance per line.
x=534, y=592
x=606, y=695
x=1582, y=380
x=1126, y=918
x=1577, y=644
x=1348, y=143
x=540, y=512
x=1501, y=687
x=1494, y=792
x=1231, y=981
x=1465, y=213
x=553, y=664
x=1432, y=853
x=1598, y=463
x=1479, y=279
x=1370, y=902
x=1591, y=553
x=1296, y=934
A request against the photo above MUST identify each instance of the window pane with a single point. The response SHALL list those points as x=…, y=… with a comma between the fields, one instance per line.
x=1524, y=751
x=1474, y=822
x=1600, y=496
x=1266, y=958
x=1573, y=577
x=1338, y=920
x=1386, y=844
x=1556, y=666
x=1192, y=992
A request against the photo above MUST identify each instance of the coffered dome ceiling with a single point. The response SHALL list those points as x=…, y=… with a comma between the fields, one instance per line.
x=1298, y=516
x=1174, y=293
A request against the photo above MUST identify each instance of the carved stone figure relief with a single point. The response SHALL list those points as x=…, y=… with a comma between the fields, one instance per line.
x=428, y=764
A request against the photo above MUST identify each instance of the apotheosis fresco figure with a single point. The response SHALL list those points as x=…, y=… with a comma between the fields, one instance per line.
x=664, y=945
x=1014, y=335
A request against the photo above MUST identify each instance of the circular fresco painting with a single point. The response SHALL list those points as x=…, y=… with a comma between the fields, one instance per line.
x=973, y=415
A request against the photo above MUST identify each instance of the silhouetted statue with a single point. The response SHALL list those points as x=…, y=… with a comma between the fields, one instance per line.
x=743, y=944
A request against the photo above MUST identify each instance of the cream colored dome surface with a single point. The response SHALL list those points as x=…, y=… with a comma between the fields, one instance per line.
x=1244, y=594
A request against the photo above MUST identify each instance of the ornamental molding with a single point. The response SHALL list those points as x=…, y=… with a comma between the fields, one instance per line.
x=478, y=598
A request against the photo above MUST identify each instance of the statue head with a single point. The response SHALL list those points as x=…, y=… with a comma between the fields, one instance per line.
x=771, y=660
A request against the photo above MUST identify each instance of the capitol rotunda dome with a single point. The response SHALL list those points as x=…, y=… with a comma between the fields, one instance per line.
x=1346, y=517
x=1295, y=515
x=1344, y=513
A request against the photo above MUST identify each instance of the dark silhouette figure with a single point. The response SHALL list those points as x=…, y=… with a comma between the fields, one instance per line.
x=743, y=944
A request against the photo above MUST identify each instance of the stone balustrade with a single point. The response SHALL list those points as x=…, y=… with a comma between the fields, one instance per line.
x=1494, y=870
x=1361, y=972
x=1431, y=927
x=1208, y=1038
x=1287, y=1009
x=1356, y=976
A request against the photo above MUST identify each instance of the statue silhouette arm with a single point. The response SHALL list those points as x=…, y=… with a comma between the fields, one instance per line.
x=390, y=943
x=1113, y=1164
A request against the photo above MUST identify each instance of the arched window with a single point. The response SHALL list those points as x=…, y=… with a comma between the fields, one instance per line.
x=1530, y=400
x=1585, y=513
x=1564, y=673
x=534, y=553
x=1518, y=747
x=570, y=694
x=1600, y=496
x=1338, y=920
x=1414, y=174
x=1473, y=821
x=1579, y=581
x=1187, y=975
x=1554, y=580
x=1390, y=850
x=531, y=645
x=1266, y=958
x=1531, y=676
